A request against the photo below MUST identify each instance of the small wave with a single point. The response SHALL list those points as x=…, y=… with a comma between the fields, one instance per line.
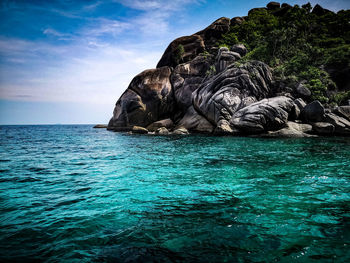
x=39, y=170
x=28, y=179
x=80, y=163
x=83, y=189
x=68, y=202
x=18, y=179
x=77, y=173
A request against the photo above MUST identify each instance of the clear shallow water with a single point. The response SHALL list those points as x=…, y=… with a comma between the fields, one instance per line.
x=77, y=194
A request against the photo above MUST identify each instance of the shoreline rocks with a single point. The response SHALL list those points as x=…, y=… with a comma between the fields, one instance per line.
x=200, y=87
x=100, y=126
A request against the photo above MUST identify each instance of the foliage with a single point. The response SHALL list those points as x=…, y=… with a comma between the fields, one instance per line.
x=228, y=40
x=179, y=52
x=205, y=54
x=211, y=71
x=298, y=45
x=341, y=97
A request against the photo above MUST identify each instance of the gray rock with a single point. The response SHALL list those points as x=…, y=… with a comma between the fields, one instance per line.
x=292, y=130
x=343, y=111
x=299, y=105
x=287, y=133
x=273, y=6
x=180, y=131
x=148, y=99
x=313, y=112
x=214, y=31
x=265, y=115
x=167, y=123
x=192, y=121
x=138, y=129
x=186, y=78
x=224, y=58
x=236, y=87
x=323, y=128
x=236, y=21
x=240, y=49
x=100, y=126
x=302, y=91
x=173, y=55
x=302, y=127
x=162, y=131
x=224, y=128
x=342, y=125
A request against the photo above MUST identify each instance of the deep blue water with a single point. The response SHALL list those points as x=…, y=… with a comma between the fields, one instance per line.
x=78, y=194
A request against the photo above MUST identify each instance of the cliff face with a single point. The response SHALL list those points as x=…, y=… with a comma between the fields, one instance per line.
x=201, y=84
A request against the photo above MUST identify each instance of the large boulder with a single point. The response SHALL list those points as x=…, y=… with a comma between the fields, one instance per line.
x=240, y=49
x=180, y=131
x=302, y=91
x=299, y=105
x=341, y=125
x=186, y=78
x=194, y=122
x=236, y=87
x=323, y=128
x=184, y=49
x=162, y=131
x=343, y=111
x=236, y=21
x=181, y=50
x=224, y=58
x=214, y=31
x=138, y=129
x=166, y=123
x=147, y=99
x=223, y=127
x=264, y=115
x=273, y=6
x=313, y=112
x=292, y=129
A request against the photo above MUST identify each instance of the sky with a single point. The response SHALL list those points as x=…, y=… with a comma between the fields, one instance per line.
x=67, y=62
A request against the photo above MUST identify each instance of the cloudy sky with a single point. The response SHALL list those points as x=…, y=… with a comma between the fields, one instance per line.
x=65, y=61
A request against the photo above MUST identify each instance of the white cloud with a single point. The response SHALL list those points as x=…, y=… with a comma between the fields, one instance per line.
x=95, y=75
x=165, y=5
x=92, y=66
x=105, y=26
x=156, y=13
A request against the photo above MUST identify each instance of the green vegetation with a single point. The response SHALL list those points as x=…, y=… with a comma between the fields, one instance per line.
x=179, y=52
x=299, y=46
x=211, y=71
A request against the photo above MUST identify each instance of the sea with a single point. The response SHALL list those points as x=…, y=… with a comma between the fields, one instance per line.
x=71, y=193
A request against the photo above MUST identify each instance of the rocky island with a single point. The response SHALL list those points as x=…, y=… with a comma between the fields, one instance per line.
x=279, y=71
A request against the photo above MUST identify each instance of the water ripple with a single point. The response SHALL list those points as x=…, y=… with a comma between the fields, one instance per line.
x=77, y=194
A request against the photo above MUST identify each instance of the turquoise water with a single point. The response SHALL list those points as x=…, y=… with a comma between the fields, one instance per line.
x=77, y=194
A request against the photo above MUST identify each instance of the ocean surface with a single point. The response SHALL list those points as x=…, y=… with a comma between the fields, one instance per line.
x=71, y=193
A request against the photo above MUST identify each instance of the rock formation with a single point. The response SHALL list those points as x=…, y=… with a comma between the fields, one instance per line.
x=198, y=87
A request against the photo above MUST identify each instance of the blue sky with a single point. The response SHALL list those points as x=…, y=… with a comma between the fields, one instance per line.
x=69, y=61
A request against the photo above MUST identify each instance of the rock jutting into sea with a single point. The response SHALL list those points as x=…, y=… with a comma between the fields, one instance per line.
x=200, y=86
